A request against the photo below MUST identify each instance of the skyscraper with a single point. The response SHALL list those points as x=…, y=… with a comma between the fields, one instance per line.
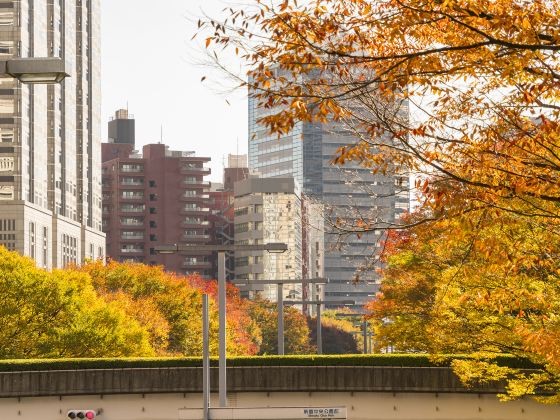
x=345, y=192
x=50, y=150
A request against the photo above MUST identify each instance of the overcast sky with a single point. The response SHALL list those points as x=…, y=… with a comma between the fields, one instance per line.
x=150, y=64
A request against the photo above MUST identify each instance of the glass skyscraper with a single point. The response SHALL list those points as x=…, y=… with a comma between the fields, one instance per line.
x=50, y=139
x=348, y=191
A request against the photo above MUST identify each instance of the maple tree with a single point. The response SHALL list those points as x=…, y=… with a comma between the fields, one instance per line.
x=446, y=289
x=170, y=307
x=296, y=331
x=58, y=314
x=481, y=75
x=463, y=93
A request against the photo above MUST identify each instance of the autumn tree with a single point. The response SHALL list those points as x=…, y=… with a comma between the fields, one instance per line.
x=170, y=307
x=465, y=94
x=58, y=314
x=446, y=289
x=296, y=332
x=336, y=334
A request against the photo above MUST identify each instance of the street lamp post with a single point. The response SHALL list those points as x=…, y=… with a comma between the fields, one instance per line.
x=254, y=285
x=205, y=356
x=221, y=250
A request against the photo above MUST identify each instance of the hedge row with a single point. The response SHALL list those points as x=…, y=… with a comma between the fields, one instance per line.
x=397, y=360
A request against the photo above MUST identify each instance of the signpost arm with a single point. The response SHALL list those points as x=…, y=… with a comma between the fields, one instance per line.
x=280, y=300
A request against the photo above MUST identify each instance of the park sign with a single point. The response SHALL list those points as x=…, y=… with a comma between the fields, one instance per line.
x=265, y=413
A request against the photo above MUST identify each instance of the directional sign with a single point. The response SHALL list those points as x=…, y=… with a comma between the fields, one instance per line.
x=265, y=413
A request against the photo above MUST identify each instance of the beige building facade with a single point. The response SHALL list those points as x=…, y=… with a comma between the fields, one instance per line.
x=50, y=140
x=270, y=210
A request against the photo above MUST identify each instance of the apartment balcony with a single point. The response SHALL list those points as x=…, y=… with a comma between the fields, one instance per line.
x=134, y=187
x=193, y=224
x=195, y=238
x=196, y=184
x=197, y=265
x=132, y=225
x=194, y=197
x=131, y=169
x=134, y=199
x=132, y=238
x=132, y=251
x=134, y=211
x=195, y=211
x=201, y=170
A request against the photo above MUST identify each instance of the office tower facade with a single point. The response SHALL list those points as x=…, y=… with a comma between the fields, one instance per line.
x=50, y=140
x=346, y=193
x=158, y=197
x=269, y=210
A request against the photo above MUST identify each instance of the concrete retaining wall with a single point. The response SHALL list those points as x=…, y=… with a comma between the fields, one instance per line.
x=240, y=379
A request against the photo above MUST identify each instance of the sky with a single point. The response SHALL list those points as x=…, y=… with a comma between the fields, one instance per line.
x=151, y=65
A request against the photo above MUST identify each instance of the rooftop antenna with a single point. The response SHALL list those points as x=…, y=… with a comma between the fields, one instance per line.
x=161, y=134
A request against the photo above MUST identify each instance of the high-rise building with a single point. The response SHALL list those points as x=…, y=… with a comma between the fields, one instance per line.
x=269, y=210
x=50, y=140
x=122, y=127
x=156, y=198
x=346, y=192
x=221, y=210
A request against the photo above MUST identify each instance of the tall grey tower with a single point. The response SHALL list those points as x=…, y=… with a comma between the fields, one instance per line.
x=50, y=150
x=346, y=192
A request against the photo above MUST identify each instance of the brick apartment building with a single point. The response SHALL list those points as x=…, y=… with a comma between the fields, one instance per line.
x=221, y=210
x=158, y=197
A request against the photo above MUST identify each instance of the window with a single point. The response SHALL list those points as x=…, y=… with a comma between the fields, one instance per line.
x=153, y=224
x=32, y=240
x=45, y=246
x=153, y=238
x=153, y=197
x=153, y=210
x=152, y=183
x=241, y=211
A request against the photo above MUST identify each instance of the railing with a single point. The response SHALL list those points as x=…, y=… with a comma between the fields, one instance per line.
x=132, y=210
x=132, y=250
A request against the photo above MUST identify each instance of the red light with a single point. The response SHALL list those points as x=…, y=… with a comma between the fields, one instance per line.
x=90, y=415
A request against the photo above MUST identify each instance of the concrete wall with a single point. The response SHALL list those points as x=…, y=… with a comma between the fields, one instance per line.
x=373, y=393
x=360, y=405
x=240, y=379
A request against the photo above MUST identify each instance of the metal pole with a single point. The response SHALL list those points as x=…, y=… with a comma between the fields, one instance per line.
x=222, y=327
x=205, y=356
x=364, y=327
x=280, y=299
x=319, y=331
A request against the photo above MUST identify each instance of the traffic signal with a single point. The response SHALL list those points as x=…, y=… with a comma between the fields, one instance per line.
x=81, y=414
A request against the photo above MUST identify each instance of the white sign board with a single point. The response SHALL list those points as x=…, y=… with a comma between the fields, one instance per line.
x=265, y=413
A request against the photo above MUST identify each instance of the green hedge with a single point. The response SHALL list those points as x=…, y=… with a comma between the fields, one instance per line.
x=399, y=360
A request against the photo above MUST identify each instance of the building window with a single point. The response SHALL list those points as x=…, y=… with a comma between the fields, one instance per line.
x=8, y=234
x=32, y=240
x=153, y=210
x=153, y=224
x=69, y=250
x=152, y=183
x=45, y=246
